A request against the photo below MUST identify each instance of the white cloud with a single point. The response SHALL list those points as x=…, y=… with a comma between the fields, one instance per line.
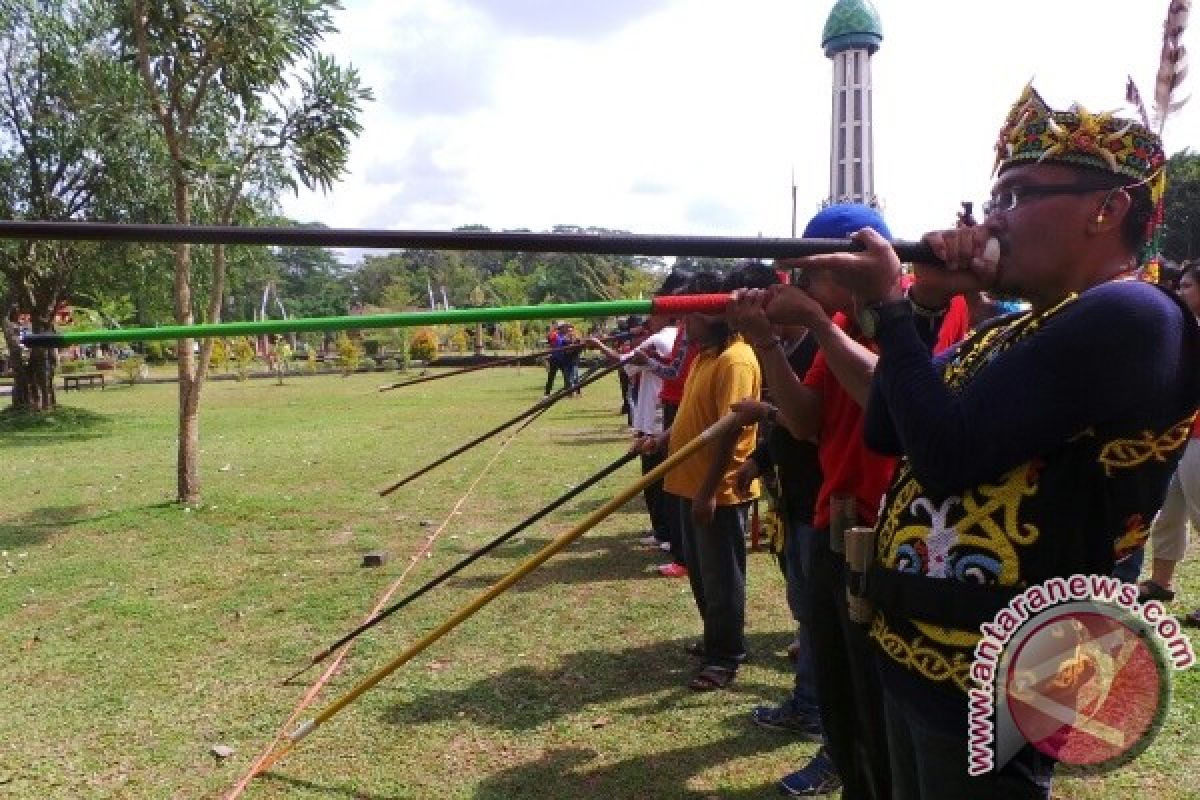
x=690, y=117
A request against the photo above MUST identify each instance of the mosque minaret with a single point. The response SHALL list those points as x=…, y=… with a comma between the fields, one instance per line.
x=852, y=35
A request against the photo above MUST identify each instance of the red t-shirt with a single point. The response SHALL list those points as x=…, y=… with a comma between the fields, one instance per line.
x=672, y=388
x=955, y=325
x=848, y=467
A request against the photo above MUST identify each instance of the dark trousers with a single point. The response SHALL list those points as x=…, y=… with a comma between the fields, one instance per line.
x=626, y=397
x=570, y=373
x=716, y=562
x=669, y=410
x=670, y=508
x=552, y=370
x=848, y=686
x=656, y=503
x=927, y=748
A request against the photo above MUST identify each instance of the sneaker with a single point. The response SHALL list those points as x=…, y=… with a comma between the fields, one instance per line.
x=818, y=778
x=672, y=570
x=785, y=720
x=664, y=546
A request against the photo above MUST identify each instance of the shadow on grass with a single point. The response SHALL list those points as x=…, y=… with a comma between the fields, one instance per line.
x=590, y=439
x=322, y=789
x=524, y=698
x=40, y=524
x=64, y=424
x=592, y=502
x=598, y=561
x=564, y=772
x=598, y=412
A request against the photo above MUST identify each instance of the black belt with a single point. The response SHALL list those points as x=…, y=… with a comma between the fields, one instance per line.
x=949, y=603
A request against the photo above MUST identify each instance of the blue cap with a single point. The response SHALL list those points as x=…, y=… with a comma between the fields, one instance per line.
x=840, y=220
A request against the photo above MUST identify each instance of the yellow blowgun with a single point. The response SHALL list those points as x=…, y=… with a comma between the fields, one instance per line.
x=727, y=425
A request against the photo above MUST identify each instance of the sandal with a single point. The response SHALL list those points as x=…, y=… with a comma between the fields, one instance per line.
x=1152, y=590
x=711, y=678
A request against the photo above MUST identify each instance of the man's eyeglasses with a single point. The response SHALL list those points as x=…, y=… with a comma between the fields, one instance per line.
x=1009, y=199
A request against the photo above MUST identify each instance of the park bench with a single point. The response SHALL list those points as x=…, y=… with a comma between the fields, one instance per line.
x=90, y=378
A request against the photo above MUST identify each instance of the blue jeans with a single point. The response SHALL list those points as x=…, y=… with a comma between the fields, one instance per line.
x=797, y=555
x=716, y=562
x=1129, y=569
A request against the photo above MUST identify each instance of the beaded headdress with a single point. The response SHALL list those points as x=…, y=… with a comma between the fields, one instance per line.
x=1034, y=133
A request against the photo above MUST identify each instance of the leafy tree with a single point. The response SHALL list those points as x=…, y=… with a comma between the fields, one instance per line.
x=397, y=296
x=213, y=72
x=312, y=282
x=61, y=148
x=1182, y=236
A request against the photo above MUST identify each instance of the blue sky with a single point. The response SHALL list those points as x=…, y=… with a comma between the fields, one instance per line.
x=689, y=116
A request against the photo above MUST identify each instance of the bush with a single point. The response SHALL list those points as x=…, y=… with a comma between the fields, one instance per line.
x=281, y=358
x=243, y=357
x=219, y=358
x=424, y=345
x=349, y=353
x=391, y=364
x=73, y=366
x=156, y=352
x=132, y=368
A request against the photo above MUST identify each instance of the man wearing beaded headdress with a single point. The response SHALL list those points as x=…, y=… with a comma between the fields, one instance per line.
x=1041, y=446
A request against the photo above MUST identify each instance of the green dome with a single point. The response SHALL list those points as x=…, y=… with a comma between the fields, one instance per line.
x=852, y=24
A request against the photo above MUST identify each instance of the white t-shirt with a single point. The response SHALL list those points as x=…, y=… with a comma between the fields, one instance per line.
x=646, y=416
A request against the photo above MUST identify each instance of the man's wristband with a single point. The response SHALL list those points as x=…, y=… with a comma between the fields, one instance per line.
x=925, y=311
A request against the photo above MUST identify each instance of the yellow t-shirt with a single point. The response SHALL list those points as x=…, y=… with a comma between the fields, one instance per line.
x=716, y=382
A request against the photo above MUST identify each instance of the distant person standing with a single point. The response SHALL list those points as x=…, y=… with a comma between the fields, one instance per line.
x=572, y=350
x=560, y=361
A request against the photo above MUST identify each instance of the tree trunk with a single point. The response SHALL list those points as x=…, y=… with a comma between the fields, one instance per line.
x=33, y=374
x=187, y=465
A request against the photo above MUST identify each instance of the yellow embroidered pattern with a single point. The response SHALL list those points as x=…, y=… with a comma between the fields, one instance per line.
x=995, y=341
x=1135, y=535
x=927, y=661
x=985, y=520
x=1005, y=499
x=1131, y=453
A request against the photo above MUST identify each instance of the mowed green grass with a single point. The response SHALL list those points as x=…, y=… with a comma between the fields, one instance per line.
x=137, y=634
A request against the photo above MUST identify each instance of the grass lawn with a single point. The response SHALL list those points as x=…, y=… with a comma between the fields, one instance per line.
x=137, y=634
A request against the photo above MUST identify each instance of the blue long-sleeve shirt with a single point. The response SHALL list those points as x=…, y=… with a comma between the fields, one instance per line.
x=1039, y=447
